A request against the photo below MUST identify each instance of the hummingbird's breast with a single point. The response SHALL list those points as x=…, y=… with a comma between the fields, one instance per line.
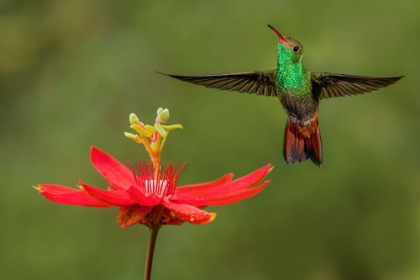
x=302, y=109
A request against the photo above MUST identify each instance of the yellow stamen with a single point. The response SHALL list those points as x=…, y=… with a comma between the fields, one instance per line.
x=134, y=137
x=160, y=130
x=141, y=131
x=171, y=127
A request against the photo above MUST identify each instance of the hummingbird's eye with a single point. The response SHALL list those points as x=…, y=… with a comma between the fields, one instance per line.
x=295, y=48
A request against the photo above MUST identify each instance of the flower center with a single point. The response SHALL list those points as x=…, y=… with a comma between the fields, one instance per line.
x=158, y=187
x=161, y=183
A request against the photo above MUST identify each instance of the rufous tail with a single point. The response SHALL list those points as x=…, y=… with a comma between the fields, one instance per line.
x=302, y=142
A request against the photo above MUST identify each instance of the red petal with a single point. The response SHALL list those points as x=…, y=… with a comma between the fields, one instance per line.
x=244, y=182
x=199, y=188
x=222, y=199
x=115, y=197
x=111, y=169
x=65, y=195
x=56, y=189
x=235, y=197
x=131, y=215
x=189, y=213
x=142, y=199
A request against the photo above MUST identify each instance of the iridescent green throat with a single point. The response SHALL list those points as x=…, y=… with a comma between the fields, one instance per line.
x=291, y=75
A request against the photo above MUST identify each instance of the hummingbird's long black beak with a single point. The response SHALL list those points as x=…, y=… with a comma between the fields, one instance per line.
x=281, y=37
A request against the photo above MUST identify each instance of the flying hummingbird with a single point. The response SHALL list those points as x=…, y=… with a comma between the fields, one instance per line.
x=299, y=91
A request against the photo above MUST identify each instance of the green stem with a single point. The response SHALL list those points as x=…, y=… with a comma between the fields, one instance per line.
x=150, y=252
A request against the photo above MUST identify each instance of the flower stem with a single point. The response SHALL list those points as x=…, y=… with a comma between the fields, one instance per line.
x=150, y=252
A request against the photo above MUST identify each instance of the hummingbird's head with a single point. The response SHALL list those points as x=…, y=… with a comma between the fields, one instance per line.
x=288, y=48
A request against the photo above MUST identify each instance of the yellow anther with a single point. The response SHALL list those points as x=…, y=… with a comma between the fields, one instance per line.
x=140, y=130
x=171, y=127
x=134, y=137
x=160, y=130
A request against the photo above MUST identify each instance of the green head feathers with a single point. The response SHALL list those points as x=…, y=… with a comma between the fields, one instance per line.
x=291, y=76
x=292, y=51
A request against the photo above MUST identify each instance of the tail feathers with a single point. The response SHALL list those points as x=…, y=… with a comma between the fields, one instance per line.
x=313, y=147
x=294, y=144
x=301, y=143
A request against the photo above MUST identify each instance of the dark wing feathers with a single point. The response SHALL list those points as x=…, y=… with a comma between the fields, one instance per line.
x=260, y=83
x=329, y=85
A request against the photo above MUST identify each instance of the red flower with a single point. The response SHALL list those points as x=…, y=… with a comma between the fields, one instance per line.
x=155, y=202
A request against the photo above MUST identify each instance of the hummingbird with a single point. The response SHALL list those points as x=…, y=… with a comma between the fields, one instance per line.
x=299, y=91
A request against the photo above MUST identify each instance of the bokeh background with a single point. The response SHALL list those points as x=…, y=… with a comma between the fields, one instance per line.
x=72, y=71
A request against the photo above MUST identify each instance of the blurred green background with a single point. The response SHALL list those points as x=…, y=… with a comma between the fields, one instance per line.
x=72, y=71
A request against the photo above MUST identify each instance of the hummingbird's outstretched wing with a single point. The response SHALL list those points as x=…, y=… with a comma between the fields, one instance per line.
x=260, y=82
x=328, y=85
